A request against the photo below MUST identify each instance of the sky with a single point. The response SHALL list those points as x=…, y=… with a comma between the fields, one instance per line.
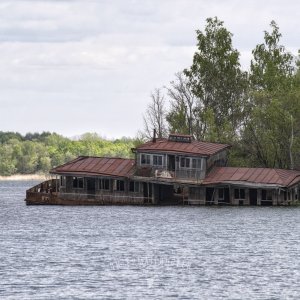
x=76, y=66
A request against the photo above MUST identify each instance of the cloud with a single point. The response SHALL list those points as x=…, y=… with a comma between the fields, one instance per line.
x=90, y=65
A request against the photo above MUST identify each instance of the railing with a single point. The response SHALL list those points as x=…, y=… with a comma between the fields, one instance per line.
x=162, y=172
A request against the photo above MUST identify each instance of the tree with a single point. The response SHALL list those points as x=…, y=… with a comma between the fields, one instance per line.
x=155, y=116
x=271, y=131
x=272, y=67
x=182, y=116
x=216, y=79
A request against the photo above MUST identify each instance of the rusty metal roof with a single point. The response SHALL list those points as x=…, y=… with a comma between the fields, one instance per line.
x=265, y=176
x=93, y=166
x=194, y=147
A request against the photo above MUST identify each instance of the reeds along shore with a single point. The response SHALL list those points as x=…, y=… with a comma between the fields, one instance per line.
x=25, y=177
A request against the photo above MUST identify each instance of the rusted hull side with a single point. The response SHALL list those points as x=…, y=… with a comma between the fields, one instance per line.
x=74, y=202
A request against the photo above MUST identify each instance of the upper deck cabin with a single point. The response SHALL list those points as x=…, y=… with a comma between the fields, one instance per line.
x=179, y=157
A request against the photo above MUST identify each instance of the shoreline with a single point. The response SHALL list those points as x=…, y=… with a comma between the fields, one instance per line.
x=25, y=177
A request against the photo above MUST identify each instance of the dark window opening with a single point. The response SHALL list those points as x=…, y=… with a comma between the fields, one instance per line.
x=78, y=182
x=239, y=194
x=266, y=195
x=104, y=184
x=157, y=160
x=196, y=163
x=221, y=193
x=131, y=186
x=134, y=186
x=120, y=185
x=62, y=180
x=184, y=162
x=145, y=159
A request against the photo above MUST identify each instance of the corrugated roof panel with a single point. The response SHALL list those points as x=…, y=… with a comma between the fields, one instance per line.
x=252, y=175
x=262, y=174
x=194, y=147
x=97, y=166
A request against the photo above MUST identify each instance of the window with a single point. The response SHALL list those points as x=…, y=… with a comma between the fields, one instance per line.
x=221, y=193
x=266, y=194
x=134, y=186
x=197, y=163
x=145, y=159
x=157, y=160
x=62, y=180
x=239, y=194
x=184, y=162
x=119, y=185
x=78, y=182
x=104, y=184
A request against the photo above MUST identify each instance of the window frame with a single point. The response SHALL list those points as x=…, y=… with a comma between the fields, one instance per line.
x=238, y=192
x=183, y=162
x=145, y=159
x=156, y=157
x=198, y=163
x=134, y=186
x=79, y=182
x=102, y=184
x=222, y=197
x=62, y=181
x=119, y=185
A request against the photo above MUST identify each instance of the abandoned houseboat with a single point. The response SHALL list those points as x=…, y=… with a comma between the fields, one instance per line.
x=177, y=170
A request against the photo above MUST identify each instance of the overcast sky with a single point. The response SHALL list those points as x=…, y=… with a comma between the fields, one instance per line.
x=75, y=66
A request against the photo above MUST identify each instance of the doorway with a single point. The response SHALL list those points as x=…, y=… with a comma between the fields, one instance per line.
x=253, y=196
x=91, y=186
x=171, y=162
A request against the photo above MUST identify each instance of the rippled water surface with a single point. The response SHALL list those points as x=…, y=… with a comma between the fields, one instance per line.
x=114, y=252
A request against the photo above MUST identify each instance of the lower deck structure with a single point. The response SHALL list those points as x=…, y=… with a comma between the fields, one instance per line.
x=222, y=186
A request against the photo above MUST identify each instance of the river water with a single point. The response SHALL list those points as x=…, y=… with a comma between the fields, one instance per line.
x=114, y=252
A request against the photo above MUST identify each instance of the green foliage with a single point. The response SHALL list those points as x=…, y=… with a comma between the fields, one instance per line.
x=271, y=133
x=217, y=81
x=40, y=152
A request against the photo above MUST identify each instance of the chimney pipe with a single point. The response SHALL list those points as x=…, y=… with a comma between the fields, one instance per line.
x=154, y=136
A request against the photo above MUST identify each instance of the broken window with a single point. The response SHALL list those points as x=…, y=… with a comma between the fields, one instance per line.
x=62, y=180
x=221, y=193
x=145, y=159
x=78, y=182
x=119, y=185
x=104, y=184
x=266, y=194
x=197, y=163
x=239, y=194
x=157, y=160
x=134, y=186
x=185, y=162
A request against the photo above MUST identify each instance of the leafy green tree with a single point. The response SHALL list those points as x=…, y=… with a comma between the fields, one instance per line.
x=271, y=132
x=217, y=80
x=272, y=67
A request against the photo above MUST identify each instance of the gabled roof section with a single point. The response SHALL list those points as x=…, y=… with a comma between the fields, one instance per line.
x=264, y=176
x=193, y=147
x=93, y=166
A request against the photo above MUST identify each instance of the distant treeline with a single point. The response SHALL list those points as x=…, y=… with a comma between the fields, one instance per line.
x=39, y=152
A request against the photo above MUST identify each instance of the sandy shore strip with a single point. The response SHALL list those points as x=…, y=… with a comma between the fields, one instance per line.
x=27, y=177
